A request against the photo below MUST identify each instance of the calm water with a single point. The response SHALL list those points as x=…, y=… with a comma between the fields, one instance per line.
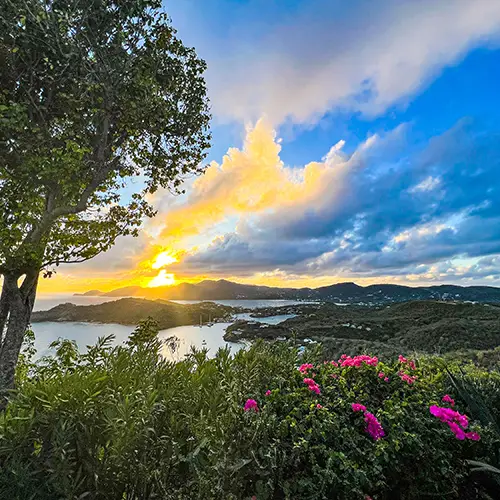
x=86, y=334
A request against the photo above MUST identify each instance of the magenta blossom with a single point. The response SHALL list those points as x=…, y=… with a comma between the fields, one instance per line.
x=448, y=399
x=381, y=375
x=407, y=378
x=456, y=422
x=373, y=426
x=402, y=359
x=358, y=407
x=474, y=436
x=386, y=379
x=306, y=366
x=457, y=430
x=312, y=385
x=251, y=404
x=358, y=360
x=318, y=406
x=268, y=392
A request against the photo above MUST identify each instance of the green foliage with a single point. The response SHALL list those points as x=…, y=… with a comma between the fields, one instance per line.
x=122, y=423
x=92, y=94
x=144, y=333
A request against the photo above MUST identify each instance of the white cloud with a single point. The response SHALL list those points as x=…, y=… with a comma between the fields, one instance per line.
x=361, y=55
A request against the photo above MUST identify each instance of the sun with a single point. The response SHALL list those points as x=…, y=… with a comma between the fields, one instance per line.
x=163, y=259
x=163, y=279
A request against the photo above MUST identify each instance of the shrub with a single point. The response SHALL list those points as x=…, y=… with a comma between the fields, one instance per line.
x=122, y=423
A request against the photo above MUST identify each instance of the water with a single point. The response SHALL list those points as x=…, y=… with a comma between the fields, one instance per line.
x=86, y=334
x=83, y=333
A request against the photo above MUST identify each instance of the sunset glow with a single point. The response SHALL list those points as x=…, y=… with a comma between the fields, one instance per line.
x=330, y=165
x=163, y=259
x=163, y=279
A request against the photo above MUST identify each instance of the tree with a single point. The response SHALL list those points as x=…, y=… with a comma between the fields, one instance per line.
x=92, y=94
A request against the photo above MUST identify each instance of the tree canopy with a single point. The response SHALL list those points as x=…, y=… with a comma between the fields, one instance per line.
x=92, y=94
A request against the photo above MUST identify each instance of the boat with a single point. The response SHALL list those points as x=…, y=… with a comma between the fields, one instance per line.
x=210, y=322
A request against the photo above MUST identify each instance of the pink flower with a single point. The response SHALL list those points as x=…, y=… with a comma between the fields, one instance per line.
x=463, y=421
x=448, y=399
x=386, y=379
x=412, y=365
x=334, y=375
x=315, y=388
x=474, y=436
x=358, y=360
x=456, y=422
x=407, y=378
x=306, y=366
x=402, y=359
x=457, y=430
x=381, y=375
x=318, y=406
x=251, y=404
x=334, y=363
x=373, y=426
x=312, y=385
x=268, y=392
x=358, y=407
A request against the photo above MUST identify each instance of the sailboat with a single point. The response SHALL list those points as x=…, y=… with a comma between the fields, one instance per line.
x=210, y=322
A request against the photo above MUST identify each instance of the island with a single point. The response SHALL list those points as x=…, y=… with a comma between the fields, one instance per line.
x=130, y=311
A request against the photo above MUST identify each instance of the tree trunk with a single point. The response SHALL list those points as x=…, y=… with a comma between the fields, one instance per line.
x=4, y=311
x=19, y=301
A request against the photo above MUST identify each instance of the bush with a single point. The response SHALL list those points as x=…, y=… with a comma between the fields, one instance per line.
x=121, y=423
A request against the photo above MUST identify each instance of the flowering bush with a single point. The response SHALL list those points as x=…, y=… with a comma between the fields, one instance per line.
x=120, y=423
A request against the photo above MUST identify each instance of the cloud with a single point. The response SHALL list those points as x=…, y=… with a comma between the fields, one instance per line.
x=385, y=209
x=361, y=55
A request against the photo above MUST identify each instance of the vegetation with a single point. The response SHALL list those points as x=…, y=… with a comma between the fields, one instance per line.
x=421, y=326
x=118, y=423
x=131, y=311
x=92, y=94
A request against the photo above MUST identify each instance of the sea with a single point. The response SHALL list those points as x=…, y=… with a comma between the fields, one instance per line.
x=86, y=334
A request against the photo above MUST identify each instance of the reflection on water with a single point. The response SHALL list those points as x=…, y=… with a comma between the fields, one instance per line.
x=209, y=337
x=85, y=334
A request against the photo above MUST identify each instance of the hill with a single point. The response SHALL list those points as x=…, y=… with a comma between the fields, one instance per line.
x=130, y=311
x=423, y=326
x=339, y=292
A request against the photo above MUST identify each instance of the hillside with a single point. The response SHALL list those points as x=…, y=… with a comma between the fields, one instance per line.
x=340, y=292
x=425, y=326
x=131, y=310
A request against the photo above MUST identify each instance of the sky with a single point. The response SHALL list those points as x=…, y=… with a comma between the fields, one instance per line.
x=352, y=141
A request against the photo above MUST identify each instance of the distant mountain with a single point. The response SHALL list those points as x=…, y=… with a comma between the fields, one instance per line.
x=340, y=292
x=90, y=293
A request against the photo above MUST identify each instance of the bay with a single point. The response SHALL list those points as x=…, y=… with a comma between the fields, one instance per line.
x=85, y=334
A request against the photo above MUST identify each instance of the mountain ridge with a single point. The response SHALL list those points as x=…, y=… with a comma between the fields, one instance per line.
x=338, y=292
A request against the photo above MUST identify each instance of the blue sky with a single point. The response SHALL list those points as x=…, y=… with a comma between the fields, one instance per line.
x=351, y=141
